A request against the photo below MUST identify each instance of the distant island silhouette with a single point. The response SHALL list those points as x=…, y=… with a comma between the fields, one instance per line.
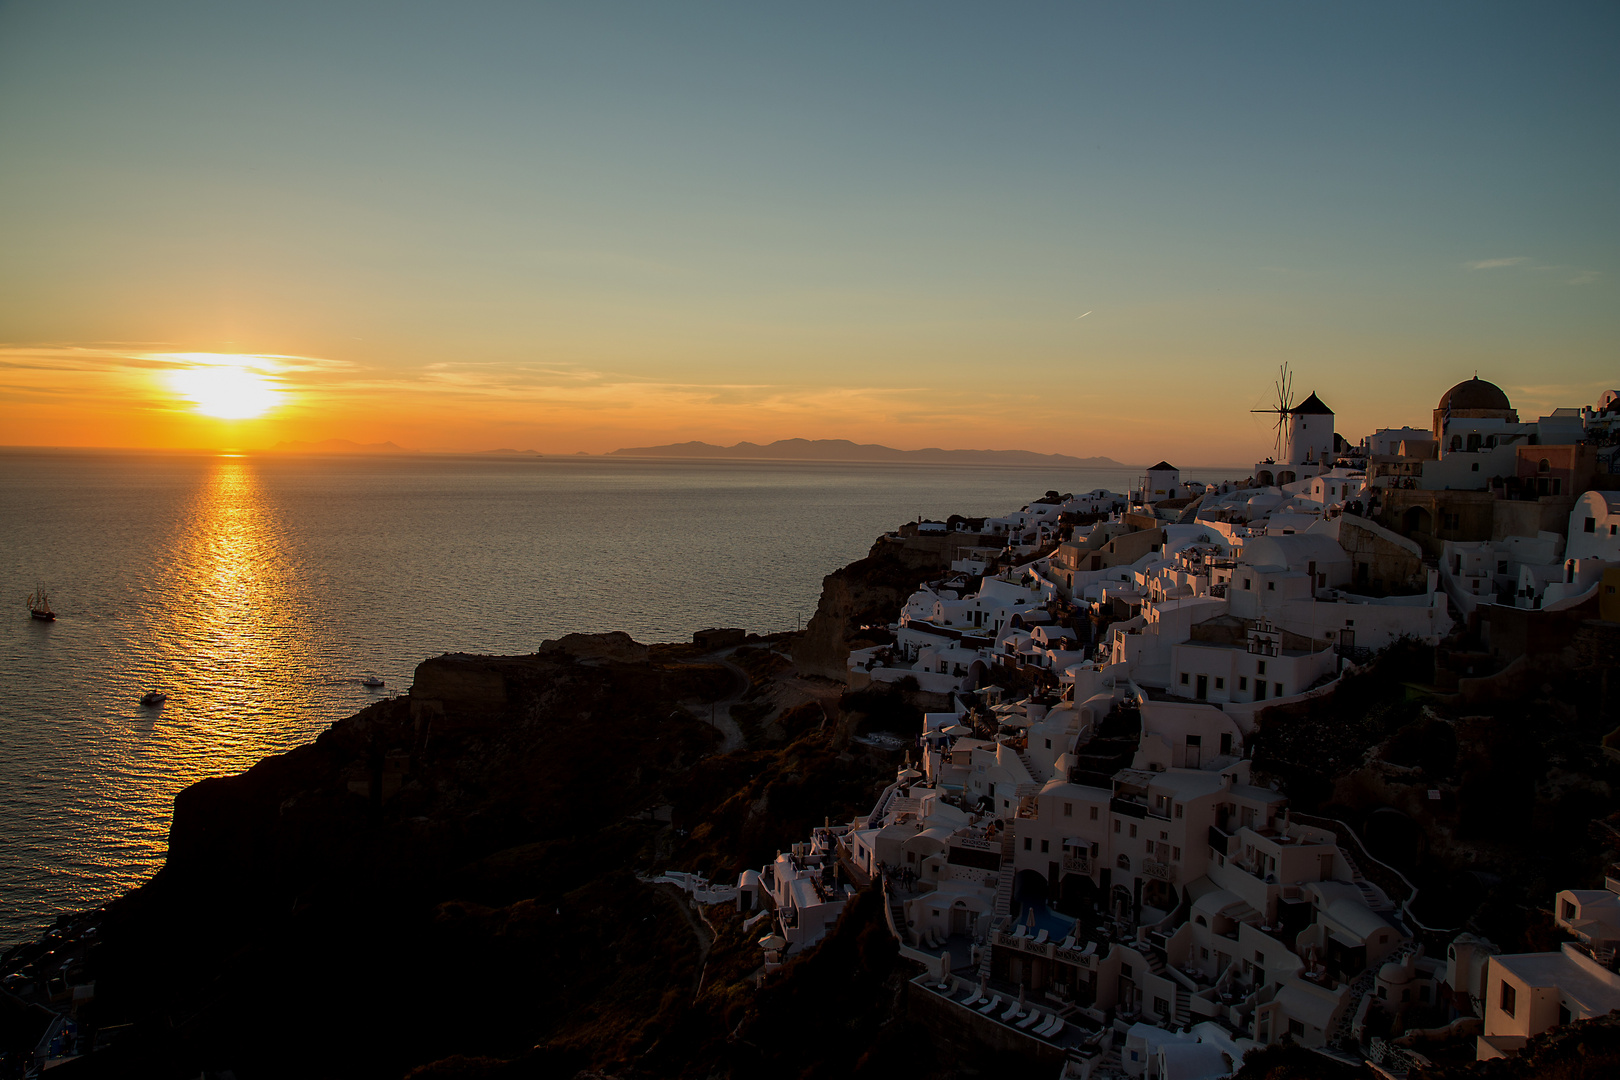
x=845, y=450
x=338, y=446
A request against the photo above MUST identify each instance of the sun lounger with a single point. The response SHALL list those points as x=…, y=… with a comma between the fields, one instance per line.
x=1012, y=1010
x=1020, y=932
x=991, y=1006
x=1090, y=949
x=1029, y=1021
x=1040, y=938
x=1052, y=1029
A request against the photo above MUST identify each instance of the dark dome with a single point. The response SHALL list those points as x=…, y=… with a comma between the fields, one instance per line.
x=1476, y=393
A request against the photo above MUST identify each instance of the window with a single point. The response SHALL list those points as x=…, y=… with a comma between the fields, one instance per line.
x=1179, y=808
x=1567, y=910
x=1243, y=682
x=1203, y=954
x=1545, y=466
x=1271, y=586
x=1508, y=999
x=1116, y=824
x=1124, y=862
x=1068, y=809
x=1247, y=583
x=1046, y=846
x=1220, y=683
x=1259, y=957
x=1148, y=846
x=1296, y=1028
x=1591, y=524
x=1226, y=743
x=1175, y=853
x=1049, y=744
x=1475, y=466
x=1183, y=678
x=1027, y=844
x=1260, y=668
x=1276, y=690
x=1133, y=832
x=1093, y=813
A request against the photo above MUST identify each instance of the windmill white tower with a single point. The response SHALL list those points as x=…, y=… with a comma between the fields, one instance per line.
x=1303, y=441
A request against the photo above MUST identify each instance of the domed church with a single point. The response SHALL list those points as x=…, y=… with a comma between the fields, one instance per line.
x=1474, y=399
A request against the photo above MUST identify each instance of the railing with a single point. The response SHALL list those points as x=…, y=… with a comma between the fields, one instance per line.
x=1126, y=807
x=1159, y=871
x=1079, y=863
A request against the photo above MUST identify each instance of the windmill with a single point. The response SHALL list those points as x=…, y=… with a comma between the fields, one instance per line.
x=1285, y=395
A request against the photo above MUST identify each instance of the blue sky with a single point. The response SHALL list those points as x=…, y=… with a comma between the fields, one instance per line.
x=585, y=226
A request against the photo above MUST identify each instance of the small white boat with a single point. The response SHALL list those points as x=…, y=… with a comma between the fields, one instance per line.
x=372, y=681
x=153, y=698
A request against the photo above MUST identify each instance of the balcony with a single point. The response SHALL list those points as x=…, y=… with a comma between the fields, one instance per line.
x=1127, y=807
x=1079, y=862
x=1159, y=871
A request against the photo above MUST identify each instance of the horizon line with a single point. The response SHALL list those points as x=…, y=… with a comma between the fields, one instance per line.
x=574, y=455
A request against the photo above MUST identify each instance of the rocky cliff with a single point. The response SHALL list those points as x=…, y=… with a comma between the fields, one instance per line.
x=866, y=593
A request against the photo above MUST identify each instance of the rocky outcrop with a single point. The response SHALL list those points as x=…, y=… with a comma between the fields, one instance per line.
x=868, y=592
x=615, y=645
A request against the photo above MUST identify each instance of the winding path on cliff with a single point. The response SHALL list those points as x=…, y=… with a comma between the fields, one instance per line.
x=721, y=710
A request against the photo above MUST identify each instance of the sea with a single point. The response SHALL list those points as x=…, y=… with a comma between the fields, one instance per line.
x=257, y=591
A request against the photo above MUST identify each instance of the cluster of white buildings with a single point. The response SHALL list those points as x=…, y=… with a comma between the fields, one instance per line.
x=1156, y=624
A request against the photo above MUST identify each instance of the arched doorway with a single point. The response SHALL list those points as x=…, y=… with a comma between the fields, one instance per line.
x=1030, y=888
x=1078, y=894
x=1417, y=520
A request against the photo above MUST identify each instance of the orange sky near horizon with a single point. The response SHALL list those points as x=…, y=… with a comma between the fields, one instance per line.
x=120, y=397
x=1078, y=229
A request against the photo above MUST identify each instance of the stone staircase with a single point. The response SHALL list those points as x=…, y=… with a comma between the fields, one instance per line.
x=898, y=910
x=1151, y=955
x=1029, y=767
x=1004, y=892
x=1360, y=987
x=875, y=818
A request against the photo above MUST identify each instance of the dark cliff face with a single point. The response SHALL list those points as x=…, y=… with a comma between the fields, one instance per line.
x=452, y=876
x=869, y=592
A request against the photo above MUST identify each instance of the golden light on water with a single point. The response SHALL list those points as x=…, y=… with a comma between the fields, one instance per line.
x=226, y=387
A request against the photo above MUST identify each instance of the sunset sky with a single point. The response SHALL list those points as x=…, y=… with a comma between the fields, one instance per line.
x=585, y=226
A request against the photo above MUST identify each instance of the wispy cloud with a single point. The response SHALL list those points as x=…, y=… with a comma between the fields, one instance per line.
x=1577, y=275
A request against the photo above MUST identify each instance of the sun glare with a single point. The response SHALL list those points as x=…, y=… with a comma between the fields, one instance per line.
x=227, y=389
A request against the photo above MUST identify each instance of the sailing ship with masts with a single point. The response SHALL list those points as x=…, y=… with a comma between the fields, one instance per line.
x=39, y=606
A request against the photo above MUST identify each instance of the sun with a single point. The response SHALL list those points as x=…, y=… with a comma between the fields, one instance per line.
x=226, y=388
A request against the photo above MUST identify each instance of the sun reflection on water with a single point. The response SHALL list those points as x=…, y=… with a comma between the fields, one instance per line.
x=226, y=631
